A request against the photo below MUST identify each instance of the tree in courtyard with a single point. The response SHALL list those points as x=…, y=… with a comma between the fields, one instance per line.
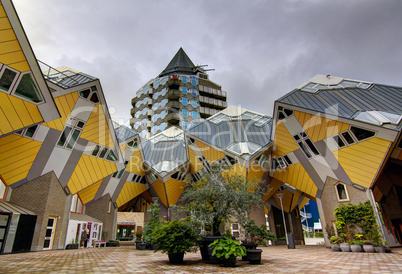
x=219, y=196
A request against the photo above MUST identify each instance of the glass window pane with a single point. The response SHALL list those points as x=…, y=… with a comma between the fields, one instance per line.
x=94, y=98
x=46, y=244
x=339, y=141
x=312, y=146
x=48, y=232
x=73, y=138
x=348, y=137
x=85, y=93
x=96, y=150
x=341, y=192
x=112, y=155
x=102, y=154
x=50, y=222
x=31, y=131
x=80, y=124
x=64, y=136
x=7, y=79
x=304, y=149
x=27, y=89
x=287, y=160
x=361, y=134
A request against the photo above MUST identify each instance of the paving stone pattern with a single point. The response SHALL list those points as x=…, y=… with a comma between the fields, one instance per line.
x=126, y=259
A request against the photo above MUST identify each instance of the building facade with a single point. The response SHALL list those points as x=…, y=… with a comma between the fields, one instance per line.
x=182, y=95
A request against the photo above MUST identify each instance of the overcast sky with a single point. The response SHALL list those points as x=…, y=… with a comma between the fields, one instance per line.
x=260, y=50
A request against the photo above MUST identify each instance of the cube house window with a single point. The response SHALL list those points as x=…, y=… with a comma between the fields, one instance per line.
x=27, y=89
x=342, y=192
x=7, y=79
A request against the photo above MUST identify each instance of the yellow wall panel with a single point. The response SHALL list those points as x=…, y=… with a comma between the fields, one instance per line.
x=4, y=23
x=195, y=164
x=362, y=161
x=209, y=153
x=304, y=202
x=20, y=66
x=2, y=11
x=272, y=188
x=160, y=189
x=7, y=35
x=136, y=164
x=286, y=200
x=5, y=126
x=96, y=129
x=295, y=198
x=16, y=157
x=88, y=171
x=284, y=142
x=174, y=189
x=65, y=104
x=129, y=191
x=319, y=128
x=12, y=57
x=255, y=172
x=89, y=193
x=297, y=176
x=9, y=46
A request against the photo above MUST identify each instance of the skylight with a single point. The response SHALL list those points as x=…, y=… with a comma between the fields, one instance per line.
x=314, y=87
x=378, y=117
x=241, y=148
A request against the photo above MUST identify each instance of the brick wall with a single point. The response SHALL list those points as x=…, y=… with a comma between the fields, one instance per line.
x=99, y=210
x=46, y=198
x=329, y=201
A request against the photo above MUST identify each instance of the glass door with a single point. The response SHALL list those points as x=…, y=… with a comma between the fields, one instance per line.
x=49, y=236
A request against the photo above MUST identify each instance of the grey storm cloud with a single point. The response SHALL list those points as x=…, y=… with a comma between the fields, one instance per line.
x=260, y=50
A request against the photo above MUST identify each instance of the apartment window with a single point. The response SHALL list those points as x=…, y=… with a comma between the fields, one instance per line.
x=342, y=193
x=109, y=209
x=184, y=79
x=90, y=94
x=287, y=160
x=306, y=145
x=3, y=188
x=71, y=133
x=96, y=150
x=112, y=155
x=179, y=176
x=349, y=139
x=120, y=173
x=194, y=80
x=103, y=152
x=284, y=113
x=184, y=101
x=194, y=114
x=262, y=161
x=361, y=134
x=76, y=204
x=7, y=79
x=136, y=178
x=184, y=112
x=28, y=132
x=339, y=141
x=132, y=144
x=27, y=89
x=152, y=177
x=183, y=90
x=194, y=103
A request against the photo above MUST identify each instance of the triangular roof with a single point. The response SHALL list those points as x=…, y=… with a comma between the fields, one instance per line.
x=180, y=63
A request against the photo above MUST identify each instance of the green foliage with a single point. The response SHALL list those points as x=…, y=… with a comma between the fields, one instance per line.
x=154, y=221
x=335, y=240
x=226, y=247
x=220, y=195
x=139, y=234
x=174, y=237
x=361, y=215
x=258, y=235
x=114, y=243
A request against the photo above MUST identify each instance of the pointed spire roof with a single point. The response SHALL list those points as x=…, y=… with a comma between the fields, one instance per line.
x=180, y=63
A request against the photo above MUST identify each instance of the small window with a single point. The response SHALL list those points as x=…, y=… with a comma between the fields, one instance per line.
x=103, y=153
x=281, y=162
x=287, y=160
x=94, y=98
x=281, y=116
x=120, y=173
x=339, y=141
x=296, y=137
x=76, y=204
x=109, y=207
x=64, y=136
x=115, y=174
x=303, y=134
x=275, y=164
x=152, y=177
x=312, y=146
x=348, y=137
x=288, y=112
x=96, y=150
x=112, y=155
x=342, y=192
x=304, y=149
x=7, y=79
x=85, y=93
x=361, y=134
x=27, y=89
x=28, y=132
x=70, y=133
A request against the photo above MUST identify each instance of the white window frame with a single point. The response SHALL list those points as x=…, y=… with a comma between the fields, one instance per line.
x=13, y=83
x=346, y=192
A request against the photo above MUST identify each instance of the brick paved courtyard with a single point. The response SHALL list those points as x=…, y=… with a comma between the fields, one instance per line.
x=126, y=259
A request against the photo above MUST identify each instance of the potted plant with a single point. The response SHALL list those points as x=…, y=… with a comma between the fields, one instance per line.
x=112, y=243
x=73, y=245
x=335, y=243
x=356, y=244
x=153, y=223
x=139, y=244
x=175, y=239
x=255, y=236
x=227, y=250
x=217, y=197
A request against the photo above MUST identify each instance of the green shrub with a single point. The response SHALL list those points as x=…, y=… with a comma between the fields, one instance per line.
x=174, y=237
x=226, y=247
x=335, y=240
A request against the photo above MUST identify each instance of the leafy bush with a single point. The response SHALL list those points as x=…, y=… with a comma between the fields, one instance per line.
x=226, y=247
x=257, y=235
x=335, y=240
x=154, y=222
x=139, y=233
x=174, y=237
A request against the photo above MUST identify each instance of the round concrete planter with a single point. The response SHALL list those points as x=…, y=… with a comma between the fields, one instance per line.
x=335, y=247
x=345, y=247
x=356, y=248
x=254, y=256
x=379, y=249
x=176, y=258
x=368, y=248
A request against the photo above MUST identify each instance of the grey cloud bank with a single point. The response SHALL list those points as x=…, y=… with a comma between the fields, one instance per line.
x=260, y=50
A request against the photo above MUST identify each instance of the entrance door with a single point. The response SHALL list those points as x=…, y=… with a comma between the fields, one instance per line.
x=49, y=236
